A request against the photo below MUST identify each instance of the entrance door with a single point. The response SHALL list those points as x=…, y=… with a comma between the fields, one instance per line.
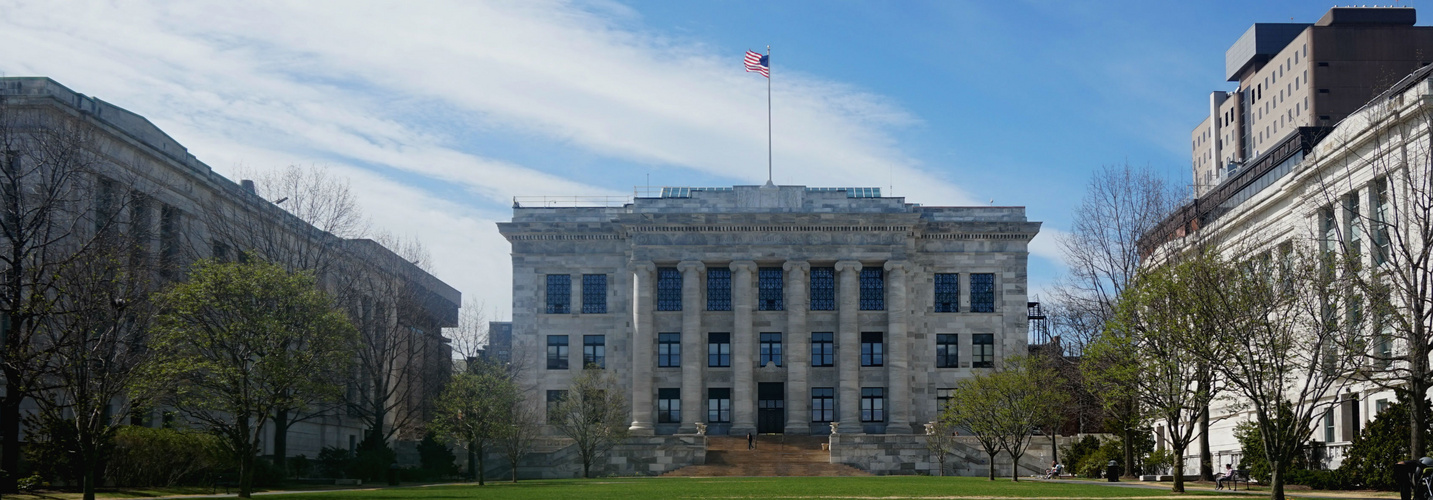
x=770, y=407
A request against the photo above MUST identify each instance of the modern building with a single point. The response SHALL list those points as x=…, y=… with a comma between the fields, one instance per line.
x=1299, y=79
x=182, y=210
x=1350, y=149
x=770, y=309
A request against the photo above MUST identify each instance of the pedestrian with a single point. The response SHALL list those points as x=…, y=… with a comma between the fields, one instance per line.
x=750, y=442
x=1224, y=476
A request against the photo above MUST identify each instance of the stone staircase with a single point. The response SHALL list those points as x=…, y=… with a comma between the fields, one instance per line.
x=775, y=455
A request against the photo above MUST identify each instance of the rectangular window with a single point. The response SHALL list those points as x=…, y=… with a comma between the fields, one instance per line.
x=823, y=289
x=559, y=291
x=718, y=405
x=718, y=289
x=823, y=404
x=770, y=349
x=1354, y=228
x=768, y=287
x=982, y=349
x=719, y=349
x=669, y=350
x=947, y=350
x=873, y=289
x=669, y=406
x=823, y=350
x=1328, y=425
x=557, y=352
x=594, y=351
x=1381, y=219
x=669, y=289
x=942, y=398
x=554, y=398
x=594, y=294
x=947, y=292
x=169, y=245
x=872, y=349
x=982, y=292
x=873, y=404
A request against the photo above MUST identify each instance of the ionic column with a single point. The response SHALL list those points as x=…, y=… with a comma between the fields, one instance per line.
x=898, y=350
x=743, y=349
x=641, y=348
x=693, y=362
x=798, y=348
x=848, y=346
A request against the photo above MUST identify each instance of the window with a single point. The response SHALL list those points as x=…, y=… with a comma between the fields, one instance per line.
x=947, y=350
x=669, y=289
x=594, y=294
x=768, y=287
x=823, y=289
x=823, y=352
x=718, y=289
x=1328, y=425
x=594, y=351
x=669, y=406
x=873, y=289
x=871, y=349
x=169, y=246
x=718, y=405
x=669, y=350
x=559, y=291
x=719, y=349
x=982, y=292
x=1354, y=230
x=982, y=350
x=873, y=404
x=947, y=292
x=942, y=398
x=557, y=352
x=1379, y=406
x=1381, y=219
x=823, y=404
x=554, y=398
x=770, y=349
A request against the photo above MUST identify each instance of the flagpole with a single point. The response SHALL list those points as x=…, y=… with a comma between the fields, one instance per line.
x=768, y=114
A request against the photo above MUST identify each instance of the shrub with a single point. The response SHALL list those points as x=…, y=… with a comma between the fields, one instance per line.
x=145, y=457
x=1382, y=443
x=1252, y=445
x=1076, y=451
x=436, y=458
x=1159, y=462
x=300, y=466
x=333, y=462
x=372, y=461
x=1320, y=479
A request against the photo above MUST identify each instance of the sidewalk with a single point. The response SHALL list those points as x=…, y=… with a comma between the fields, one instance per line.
x=1201, y=488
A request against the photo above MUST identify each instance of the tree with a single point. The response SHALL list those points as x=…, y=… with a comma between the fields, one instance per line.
x=518, y=435
x=239, y=340
x=593, y=413
x=940, y=440
x=1121, y=205
x=1026, y=396
x=973, y=407
x=95, y=347
x=1158, y=345
x=473, y=409
x=1277, y=318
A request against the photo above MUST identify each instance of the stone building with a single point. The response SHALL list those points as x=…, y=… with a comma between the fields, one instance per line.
x=770, y=309
x=154, y=186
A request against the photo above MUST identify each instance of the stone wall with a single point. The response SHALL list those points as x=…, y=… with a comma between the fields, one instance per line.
x=889, y=454
x=557, y=458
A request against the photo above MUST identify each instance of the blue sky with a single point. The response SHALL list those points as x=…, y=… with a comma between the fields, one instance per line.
x=439, y=112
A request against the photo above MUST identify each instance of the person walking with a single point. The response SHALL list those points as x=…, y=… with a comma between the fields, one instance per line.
x=750, y=442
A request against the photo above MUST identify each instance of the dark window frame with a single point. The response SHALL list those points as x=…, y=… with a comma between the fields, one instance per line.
x=822, y=291
x=594, y=294
x=559, y=293
x=823, y=349
x=719, y=405
x=554, y=397
x=669, y=350
x=719, y=350
x=873, y=404
x=982, y=292
x=718, y=289
x=947, y=292
x=823, y=404
x=669, y=405
x=873, y=347
x=770, y=293
x=873, y=289
x=669, y=289
x=947, y=350
x=557, y=352
x=982, y=350
x=594, y=351
x=769, y=349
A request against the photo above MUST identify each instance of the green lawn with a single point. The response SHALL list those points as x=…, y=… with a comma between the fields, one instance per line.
x=760, y=487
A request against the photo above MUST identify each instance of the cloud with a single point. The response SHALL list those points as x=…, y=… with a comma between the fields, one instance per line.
x=441, y=111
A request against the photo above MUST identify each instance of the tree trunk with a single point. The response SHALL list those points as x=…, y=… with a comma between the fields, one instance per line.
x=246, y=474
x=941, y=472
x=1276, y=482
x=91, y=467
x=1129, y=450
x=1206, y=458
x=1054, y=447
x=1178, y=470
x=10, y=435
x=1014, y=467
x=482, y=472
x=1418, y=392
x=514, y=470
x=992, y=465
x=472, y=461
x=281, y=440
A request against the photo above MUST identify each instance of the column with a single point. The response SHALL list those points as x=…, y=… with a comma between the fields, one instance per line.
x=897, y=350
x=743, y=349
x=797, y=348
x=848, y=347
x=693, y=360
x=642, y=288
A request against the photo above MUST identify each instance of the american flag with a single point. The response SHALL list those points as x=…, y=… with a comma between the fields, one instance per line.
x=758, y=63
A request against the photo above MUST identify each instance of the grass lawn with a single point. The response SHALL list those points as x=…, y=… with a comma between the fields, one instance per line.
x=888, y=487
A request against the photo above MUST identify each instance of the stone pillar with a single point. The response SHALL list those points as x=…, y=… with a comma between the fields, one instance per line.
x=693, y=361
x=743, y=349
x=798, y=348
x=642, y=289
x=848, y=347
x=898, y=349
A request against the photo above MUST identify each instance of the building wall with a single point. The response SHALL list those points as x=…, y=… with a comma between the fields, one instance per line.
x=789, y=230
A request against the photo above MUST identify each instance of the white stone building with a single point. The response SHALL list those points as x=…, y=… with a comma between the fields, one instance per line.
x=772, y=309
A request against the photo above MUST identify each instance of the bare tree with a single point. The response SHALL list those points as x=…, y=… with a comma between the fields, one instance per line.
x=593, y=413
x=471, y=337
x=940, y=441
x=519, y=433
x=1121, y=206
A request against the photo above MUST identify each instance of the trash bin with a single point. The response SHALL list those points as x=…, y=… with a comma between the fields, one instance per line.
x=393, y=475
x=1112, y=471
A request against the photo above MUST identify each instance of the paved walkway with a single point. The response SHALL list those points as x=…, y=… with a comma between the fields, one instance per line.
x=1193, y=487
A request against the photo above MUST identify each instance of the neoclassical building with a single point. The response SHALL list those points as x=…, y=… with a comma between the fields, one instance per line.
x=772, y=309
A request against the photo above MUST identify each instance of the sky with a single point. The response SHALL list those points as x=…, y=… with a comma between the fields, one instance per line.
x=439, y=112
